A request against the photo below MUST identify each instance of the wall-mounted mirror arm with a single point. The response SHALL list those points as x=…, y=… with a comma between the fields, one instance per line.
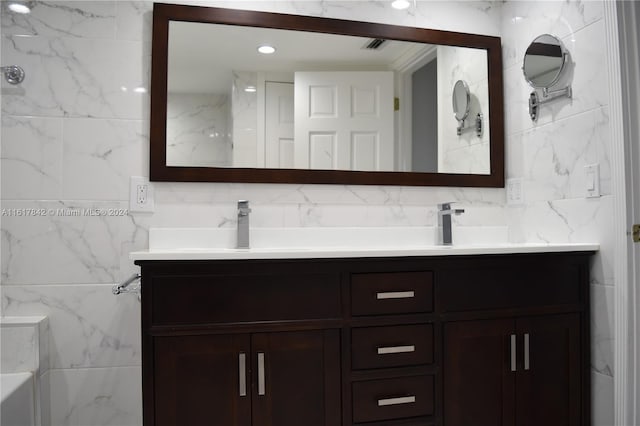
x=477, y=126
x=547, y=96
x=550, y=95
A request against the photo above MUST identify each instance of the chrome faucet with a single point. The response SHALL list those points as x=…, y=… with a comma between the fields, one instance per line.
x=445, y=212
x=243, y=224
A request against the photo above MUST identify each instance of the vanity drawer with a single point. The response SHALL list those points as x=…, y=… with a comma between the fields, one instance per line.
x=391, y=293
x=396, y=346
x=397, y=398
x=542, y=283
x=235, y=298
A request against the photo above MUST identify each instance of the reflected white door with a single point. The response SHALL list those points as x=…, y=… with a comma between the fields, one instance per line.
x=344, y=120
x=279, y=125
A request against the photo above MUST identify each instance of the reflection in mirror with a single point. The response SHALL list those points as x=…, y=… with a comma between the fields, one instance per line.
x=462, y=106
x=320, y=101
x=461, y=100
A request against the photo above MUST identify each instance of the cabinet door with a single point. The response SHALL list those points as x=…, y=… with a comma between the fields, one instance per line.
x=548, y=378
x=298, y=378
x=199, y=380
x=478, y=382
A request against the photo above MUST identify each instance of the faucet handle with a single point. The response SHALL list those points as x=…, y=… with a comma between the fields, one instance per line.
x=243, y=207
x=446, y=206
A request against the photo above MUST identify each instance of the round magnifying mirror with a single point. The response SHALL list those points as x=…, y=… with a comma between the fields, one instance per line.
x=461, y=100
x=544, y=61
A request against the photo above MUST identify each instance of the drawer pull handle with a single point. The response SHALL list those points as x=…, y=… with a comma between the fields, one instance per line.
x=242, y=373
x=396, y=295
x=396, y=401
x=261, y=390
x=513, y=352
x=383, y=350
x=526, y=352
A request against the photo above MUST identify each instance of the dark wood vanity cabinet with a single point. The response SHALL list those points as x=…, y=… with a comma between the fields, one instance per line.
x=414, y=341
x=523, y=371
x=280, y=378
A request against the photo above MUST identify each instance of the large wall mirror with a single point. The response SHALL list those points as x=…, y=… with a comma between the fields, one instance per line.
x=330, y=101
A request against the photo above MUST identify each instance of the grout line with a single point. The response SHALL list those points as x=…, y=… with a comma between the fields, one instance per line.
x=88, y=368
x=560, y=120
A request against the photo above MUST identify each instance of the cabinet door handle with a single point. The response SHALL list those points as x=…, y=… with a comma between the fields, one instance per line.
x=242, y=373
x=261, y=373
x=526, y=352
x=513, y=352
x=397, y=401
x=383, y=350
x=396, y=295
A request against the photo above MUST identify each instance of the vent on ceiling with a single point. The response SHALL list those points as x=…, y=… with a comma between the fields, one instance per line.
x=375, y=43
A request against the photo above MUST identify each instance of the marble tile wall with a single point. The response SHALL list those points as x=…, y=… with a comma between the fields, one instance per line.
x=550, y=155
x=244, y=115
x=71, y=137
x=197, y=133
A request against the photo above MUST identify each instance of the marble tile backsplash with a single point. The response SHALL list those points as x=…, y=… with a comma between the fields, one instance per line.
x=75, y=130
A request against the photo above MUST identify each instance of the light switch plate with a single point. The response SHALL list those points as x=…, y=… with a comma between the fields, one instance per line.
x=592, y=180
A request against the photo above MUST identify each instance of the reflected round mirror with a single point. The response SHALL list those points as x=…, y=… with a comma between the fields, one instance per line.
x=544, y=61
x=461, y=100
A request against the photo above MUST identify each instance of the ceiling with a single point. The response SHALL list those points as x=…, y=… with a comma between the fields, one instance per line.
x=202, y=56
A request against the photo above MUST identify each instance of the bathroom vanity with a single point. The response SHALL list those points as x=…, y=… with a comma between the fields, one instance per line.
x=432, y=337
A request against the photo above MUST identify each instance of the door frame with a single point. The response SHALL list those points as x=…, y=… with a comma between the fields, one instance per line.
x=404, y=69
x=628, y=13
x=620, y=25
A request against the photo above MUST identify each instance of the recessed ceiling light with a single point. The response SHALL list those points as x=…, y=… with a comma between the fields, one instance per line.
x=250, y=89
x=19, y=8
x=266, y=49
x=400, y=4
x=140, y=90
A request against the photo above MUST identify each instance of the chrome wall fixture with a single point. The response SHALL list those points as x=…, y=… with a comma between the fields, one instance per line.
x=462, y=106
x=544, y=64
x=128, y=286
x=13, y=74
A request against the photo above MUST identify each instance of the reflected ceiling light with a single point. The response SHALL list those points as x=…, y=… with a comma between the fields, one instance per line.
x=140, y=90
x=18, y=7
x=400, y=4
x=250, y=89
x=266, y=49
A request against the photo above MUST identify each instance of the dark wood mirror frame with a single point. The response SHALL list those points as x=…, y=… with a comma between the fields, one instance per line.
x=159, y=171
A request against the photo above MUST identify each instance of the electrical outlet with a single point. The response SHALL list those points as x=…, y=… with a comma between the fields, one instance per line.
x=515, y=194
x=592, y=181
x=141, y=195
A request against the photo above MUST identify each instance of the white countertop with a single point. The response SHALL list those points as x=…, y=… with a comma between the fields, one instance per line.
x=326, y=243
x=346, y=252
